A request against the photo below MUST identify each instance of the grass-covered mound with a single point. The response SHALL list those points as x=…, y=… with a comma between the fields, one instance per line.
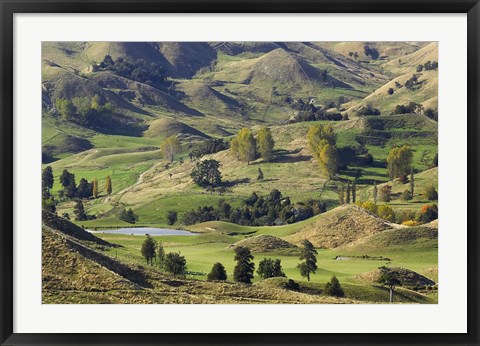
x=166, y=127
x=340, y=226
x=421, y=237
x=265, y=243
x=408, y=278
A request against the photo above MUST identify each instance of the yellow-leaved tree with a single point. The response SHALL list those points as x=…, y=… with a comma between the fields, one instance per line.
x=322, y=143
x=399, y=161
x=265, y=143
x=244, y=145
x=170, y=148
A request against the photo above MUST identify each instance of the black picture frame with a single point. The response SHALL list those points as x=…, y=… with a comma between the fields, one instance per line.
x=9, y=7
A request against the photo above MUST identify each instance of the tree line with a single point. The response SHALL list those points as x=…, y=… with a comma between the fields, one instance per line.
x=244, y=270
x=273, y=209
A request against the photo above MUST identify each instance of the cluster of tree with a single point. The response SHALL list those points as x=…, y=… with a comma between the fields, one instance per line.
x=172, y=262
x=429, y=65
x=383, y=211
x=353, y=55
x=412, y=82
x=82, y=110
x=431, y=113
x=368, y=110
x=257, y=211
x=245, y=146
x=399, y=161
x=347, y=192
x=308, y=111
x=211, y=146
x=371, y=52
x=411, y=107
x=48, y=201
x=128, y=215
x=322, y=143
x=416, y=108
x=426, y=214
x=207, y=174
x=84, y=189
x=244, y=269
x=138, y=70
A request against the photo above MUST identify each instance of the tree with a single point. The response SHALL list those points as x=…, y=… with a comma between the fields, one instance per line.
x=428, y=213
x=386, y=212
x=65, y=108
x=322, y=143
x=333, y=288
x=207, y=174
x=375, y=192
x=317, y=133
x=430, y=193
x=79, y=211
x=244, y=145
x=95, y=188
x=265, y=143
x=309, y=264
x=399, y=161
x=160, y=256
x=412, y=182
x=170, y=148
x=406, y=195
x=390, y=279
x=171, y=217
x=390, y=91
x=71, y=190
x=108, y=185
x=149, y=249
x=66, y=179
x=348, y=192
x=244, y=269
x=128, y=216
x=84, y=189
x=386, y=193
x=341, y=193
x=47, y=178
x=269, y=268
x=260, y=174
x=175, y=263
x=218, y=273
x=328, y=160
x=354, y=191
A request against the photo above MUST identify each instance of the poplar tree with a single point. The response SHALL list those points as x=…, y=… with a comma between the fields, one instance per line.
x=108, y=185
x=265, y=143
x=95, y=188
x=412, y=182
x=170, y=148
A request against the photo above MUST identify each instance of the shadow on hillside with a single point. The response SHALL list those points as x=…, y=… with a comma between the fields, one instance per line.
x=232, y=183
x=287, y=156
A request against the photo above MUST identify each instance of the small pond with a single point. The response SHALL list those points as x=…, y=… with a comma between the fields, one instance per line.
x=145, y=230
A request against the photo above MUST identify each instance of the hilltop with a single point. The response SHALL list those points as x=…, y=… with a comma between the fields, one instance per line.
x=340, y=226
